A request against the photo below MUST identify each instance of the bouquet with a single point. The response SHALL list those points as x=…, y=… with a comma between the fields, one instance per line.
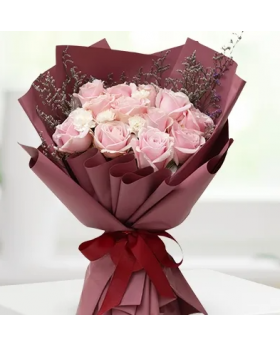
x=129, y=144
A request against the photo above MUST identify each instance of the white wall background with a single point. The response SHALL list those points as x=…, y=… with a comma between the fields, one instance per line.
x=39, y=237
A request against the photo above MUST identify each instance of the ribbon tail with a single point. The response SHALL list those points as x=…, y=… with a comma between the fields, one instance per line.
x=168, y=261
x=151, y=265
x=119, y=283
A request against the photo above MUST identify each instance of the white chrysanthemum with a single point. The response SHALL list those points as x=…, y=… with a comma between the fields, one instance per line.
x=105, y=116
x=82, y=119
x=136, y=123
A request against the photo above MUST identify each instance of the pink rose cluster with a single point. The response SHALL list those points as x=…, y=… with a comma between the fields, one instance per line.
x=158, y=125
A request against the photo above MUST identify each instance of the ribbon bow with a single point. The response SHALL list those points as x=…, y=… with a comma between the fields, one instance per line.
x=131, y=252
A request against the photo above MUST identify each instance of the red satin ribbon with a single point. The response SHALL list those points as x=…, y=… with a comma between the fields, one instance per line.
x=132, y=252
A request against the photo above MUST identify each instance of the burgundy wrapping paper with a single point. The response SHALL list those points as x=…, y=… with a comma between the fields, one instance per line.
x=115, y=196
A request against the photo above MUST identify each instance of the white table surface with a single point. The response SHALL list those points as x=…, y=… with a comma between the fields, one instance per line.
x=220, y=295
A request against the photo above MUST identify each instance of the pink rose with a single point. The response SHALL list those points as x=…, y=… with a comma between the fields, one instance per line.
x=195, y=119
x=70, y=140
x=147, y=93
x=158, y=119
x=120, y=90
x=186, y=143
x=112, y=138
x=99, y=104
x=90, y=90
x=153, y=148
x=125, y=107
x=175, y=104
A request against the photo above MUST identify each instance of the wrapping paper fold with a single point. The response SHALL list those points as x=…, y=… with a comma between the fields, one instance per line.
x=141, y=297
x=161, y=206
x=115, y=196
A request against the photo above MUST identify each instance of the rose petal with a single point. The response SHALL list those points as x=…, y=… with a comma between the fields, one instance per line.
x=181, y=155
x=154, y=153
x=176, y=114
x=77, y=144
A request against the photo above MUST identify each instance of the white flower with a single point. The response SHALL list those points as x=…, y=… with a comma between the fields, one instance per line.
x=82, y=119
x=105, y=116
x=141, y=94
x=136, y=123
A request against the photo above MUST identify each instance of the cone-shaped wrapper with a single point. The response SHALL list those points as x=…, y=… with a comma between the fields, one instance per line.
x=117, y=197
